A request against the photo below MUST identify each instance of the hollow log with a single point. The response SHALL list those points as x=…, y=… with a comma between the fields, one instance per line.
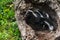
x=31, y=30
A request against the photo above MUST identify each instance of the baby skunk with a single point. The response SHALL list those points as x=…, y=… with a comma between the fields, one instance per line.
x=41, y=19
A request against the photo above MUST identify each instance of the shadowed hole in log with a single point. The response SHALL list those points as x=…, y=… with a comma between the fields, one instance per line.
x=58, y=38
x=41, y=18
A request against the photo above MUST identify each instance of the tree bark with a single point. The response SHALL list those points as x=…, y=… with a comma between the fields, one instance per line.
x=27, y=32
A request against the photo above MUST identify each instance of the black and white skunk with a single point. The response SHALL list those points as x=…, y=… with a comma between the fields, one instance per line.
x=39, y=19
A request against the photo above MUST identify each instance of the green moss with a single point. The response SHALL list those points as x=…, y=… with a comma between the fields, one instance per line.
x=8, y=26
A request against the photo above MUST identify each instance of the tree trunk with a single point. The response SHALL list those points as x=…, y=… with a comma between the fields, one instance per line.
x=27, y=31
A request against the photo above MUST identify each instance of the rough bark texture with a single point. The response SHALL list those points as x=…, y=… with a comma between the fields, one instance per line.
x=27, y=33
